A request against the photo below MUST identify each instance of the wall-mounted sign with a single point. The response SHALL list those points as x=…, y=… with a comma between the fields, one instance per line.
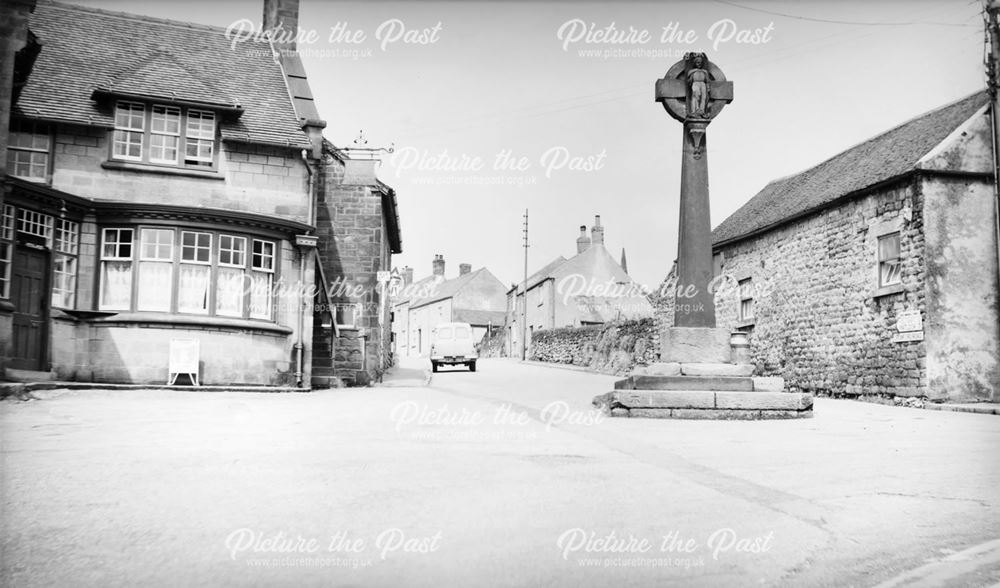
x=908, y=336
x=908, y=321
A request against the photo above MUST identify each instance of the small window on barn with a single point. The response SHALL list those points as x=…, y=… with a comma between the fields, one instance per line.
x=888, y=260
x=746, y=300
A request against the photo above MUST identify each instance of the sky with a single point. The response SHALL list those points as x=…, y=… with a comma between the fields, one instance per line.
x=497, y=107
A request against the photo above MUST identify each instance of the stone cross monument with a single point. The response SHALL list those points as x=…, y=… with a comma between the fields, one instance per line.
x=694, y=91
x=703, y=371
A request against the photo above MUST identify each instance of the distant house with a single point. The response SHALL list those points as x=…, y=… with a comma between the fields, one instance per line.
x=160, y=191
x=474, y=297
x=876, y=271
x=590, y=288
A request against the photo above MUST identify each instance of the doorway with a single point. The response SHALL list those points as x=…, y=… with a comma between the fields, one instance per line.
x=30, y=296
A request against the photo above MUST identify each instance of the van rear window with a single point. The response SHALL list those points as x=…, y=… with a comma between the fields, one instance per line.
x=444, y=333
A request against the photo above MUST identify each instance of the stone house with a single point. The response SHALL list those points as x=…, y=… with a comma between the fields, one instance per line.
x=357, y=223
x=875, y=272
x=474, y=296
x=159, y=198
x=590, y=288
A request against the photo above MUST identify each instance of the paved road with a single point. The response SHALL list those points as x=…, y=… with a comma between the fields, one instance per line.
x=498, y=478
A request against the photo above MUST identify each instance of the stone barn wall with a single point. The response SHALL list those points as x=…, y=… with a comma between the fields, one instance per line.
x=820, y=322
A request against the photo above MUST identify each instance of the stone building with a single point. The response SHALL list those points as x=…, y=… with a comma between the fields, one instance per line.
x=590, y=288
x=358, y=228
x=875, y=272
x=161, y=194
x=474, y=296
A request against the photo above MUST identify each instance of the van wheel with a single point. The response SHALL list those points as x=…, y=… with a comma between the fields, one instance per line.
x=434, y=366
x=472, y=366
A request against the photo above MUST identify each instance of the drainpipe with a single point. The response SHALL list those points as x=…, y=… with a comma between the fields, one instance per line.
x=992, y=83
x=305, y=247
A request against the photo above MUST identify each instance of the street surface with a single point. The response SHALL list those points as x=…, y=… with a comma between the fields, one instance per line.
x=503, y=477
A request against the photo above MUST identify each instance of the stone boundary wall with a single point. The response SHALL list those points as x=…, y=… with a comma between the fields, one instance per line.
x=614, y=348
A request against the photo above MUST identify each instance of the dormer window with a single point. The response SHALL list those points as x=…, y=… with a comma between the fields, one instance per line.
x=161, y=134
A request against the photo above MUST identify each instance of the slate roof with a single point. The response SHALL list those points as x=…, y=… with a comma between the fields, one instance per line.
x=448, y=288
x=86, y=49
x=479, y=317
x=539, y=276
x=884, y=157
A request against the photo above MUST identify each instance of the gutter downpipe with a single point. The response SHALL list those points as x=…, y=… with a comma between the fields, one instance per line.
x=304, y=257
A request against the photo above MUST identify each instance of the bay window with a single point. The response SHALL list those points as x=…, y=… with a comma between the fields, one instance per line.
x=116, y=270
x=195, y=272
x=230, y=286
x=64, y=263
x=187, y=271
x=156, y=269
x=6, y=249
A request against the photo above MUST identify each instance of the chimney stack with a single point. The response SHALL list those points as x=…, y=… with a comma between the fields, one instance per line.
x=583, y=241
x=438, y=265
x=464, y=268
x=597, y=232
x=407, y=275
x=282, y=17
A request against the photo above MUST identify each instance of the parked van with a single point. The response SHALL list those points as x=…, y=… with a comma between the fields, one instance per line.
x=452, y=344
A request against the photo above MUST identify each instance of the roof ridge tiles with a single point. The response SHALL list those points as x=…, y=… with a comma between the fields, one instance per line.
x=132, y=16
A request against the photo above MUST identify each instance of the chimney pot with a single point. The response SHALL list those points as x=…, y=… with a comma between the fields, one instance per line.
x=597, y=232
x=583, y=241
x=438, y=265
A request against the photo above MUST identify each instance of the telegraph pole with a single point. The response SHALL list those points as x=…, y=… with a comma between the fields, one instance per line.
x=992, y=83
x=524, y=301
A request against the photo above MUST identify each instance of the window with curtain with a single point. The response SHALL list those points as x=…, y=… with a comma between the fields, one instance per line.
x=195, y=272
x=187, y=271
x=156, y=269
x=230, y=286
x=116, y=269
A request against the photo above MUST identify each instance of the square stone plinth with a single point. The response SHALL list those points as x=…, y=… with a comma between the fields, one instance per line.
x=705, y=404
x=695, y=345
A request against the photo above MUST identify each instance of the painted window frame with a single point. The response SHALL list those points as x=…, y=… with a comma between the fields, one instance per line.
x=355, y=314
x=156, y=128
x=227, y=250
x=747, y=301
x=65, y=263
x=19, y=128
x=878, y=230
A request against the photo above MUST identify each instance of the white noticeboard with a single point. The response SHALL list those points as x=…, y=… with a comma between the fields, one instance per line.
x=909, y=321
x=184, y=356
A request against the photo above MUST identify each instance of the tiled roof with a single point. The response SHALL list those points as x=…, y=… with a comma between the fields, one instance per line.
x=539, y=276
x=161, y=75
x=448, y=288
x=85, y=49
x=881, y=158
x=478, y=317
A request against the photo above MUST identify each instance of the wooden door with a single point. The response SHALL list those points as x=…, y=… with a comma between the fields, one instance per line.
x=30, y=295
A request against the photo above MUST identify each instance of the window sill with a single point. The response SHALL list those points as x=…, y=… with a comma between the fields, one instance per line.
x=162, y=169
x=747, y=323
x=6, y=306
x=206, y=322
x=888, y=290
